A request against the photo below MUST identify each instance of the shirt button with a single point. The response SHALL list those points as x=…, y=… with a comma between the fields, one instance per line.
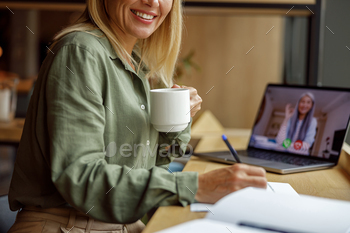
x=143, y=107
x=147, y=142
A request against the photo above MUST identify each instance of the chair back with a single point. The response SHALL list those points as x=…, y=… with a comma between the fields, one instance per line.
x=7, y=217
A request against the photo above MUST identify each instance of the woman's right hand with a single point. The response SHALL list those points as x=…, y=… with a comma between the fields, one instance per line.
x=214, y=185
x=289, y=111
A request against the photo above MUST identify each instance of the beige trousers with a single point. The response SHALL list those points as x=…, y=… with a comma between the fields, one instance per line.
x=66, y=220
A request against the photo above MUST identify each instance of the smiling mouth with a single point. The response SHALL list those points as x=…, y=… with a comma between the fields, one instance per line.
x=143, y=15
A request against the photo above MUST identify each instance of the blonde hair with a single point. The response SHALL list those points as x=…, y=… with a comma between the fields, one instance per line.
x=159, y=52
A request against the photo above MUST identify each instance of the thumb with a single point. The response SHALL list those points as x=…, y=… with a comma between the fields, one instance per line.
x=175, y=86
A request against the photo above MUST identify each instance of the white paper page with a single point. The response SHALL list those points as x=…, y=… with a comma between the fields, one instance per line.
x=281, y=188
x=200, y=207
x=209, y=226
x=287, y=213
x=276, y=187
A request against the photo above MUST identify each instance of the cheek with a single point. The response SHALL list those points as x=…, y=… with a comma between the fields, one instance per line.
x=166, y=7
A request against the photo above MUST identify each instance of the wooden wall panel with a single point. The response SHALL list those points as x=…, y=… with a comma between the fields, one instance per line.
x=221, y=42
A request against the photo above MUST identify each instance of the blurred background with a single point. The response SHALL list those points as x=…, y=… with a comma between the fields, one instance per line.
x=231, y=50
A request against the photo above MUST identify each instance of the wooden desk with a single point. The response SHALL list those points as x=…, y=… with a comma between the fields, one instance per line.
x=331, y=183
x=24, y=86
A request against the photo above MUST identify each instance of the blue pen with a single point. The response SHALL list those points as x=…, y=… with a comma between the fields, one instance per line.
x=233, y=152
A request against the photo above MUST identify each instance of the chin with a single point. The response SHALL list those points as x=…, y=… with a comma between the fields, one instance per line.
x=143, y=35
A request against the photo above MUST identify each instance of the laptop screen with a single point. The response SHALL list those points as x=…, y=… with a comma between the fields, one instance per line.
x=302, y=120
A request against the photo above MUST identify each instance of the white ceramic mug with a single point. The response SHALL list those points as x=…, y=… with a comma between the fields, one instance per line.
x=170, y=109
x=8, y=98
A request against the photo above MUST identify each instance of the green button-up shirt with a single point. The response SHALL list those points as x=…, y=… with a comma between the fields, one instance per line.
x=88, y=141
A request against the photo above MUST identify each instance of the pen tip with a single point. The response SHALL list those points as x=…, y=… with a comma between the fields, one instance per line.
x=224, y=137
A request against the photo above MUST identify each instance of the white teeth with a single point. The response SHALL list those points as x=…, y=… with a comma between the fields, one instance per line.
x=143, y=15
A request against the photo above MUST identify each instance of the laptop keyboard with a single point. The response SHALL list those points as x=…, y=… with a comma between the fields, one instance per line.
x=289, y=159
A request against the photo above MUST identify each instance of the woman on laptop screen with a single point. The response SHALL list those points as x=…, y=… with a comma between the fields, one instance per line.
x=298, y=130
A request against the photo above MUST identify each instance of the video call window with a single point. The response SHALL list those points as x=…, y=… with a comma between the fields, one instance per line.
x=302, y=121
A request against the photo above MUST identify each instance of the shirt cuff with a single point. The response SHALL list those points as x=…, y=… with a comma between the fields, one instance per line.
x=186, y=185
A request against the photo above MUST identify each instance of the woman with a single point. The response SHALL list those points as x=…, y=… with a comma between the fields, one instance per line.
x=298, y=130
x=92, y=93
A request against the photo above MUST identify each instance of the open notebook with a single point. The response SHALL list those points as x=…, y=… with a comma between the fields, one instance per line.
x=255, y=210
x=276, y=187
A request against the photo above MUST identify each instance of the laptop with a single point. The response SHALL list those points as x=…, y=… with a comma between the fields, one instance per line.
x=297, y=129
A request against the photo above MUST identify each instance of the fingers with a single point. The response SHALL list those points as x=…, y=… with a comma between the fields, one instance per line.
x=216, y=184
x=251, y=170
x=195, y=99
x=246, y=176
x=195, y=110
x=193, y=91
x=255, y=181
x=195, y=105
x=291, y=110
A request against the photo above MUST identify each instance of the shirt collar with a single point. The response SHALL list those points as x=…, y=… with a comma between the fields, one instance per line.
x=105, y=43
x=110, y=50
x=113, y=55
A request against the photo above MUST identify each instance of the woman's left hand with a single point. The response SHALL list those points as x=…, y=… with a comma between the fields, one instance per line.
x=195, y=99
